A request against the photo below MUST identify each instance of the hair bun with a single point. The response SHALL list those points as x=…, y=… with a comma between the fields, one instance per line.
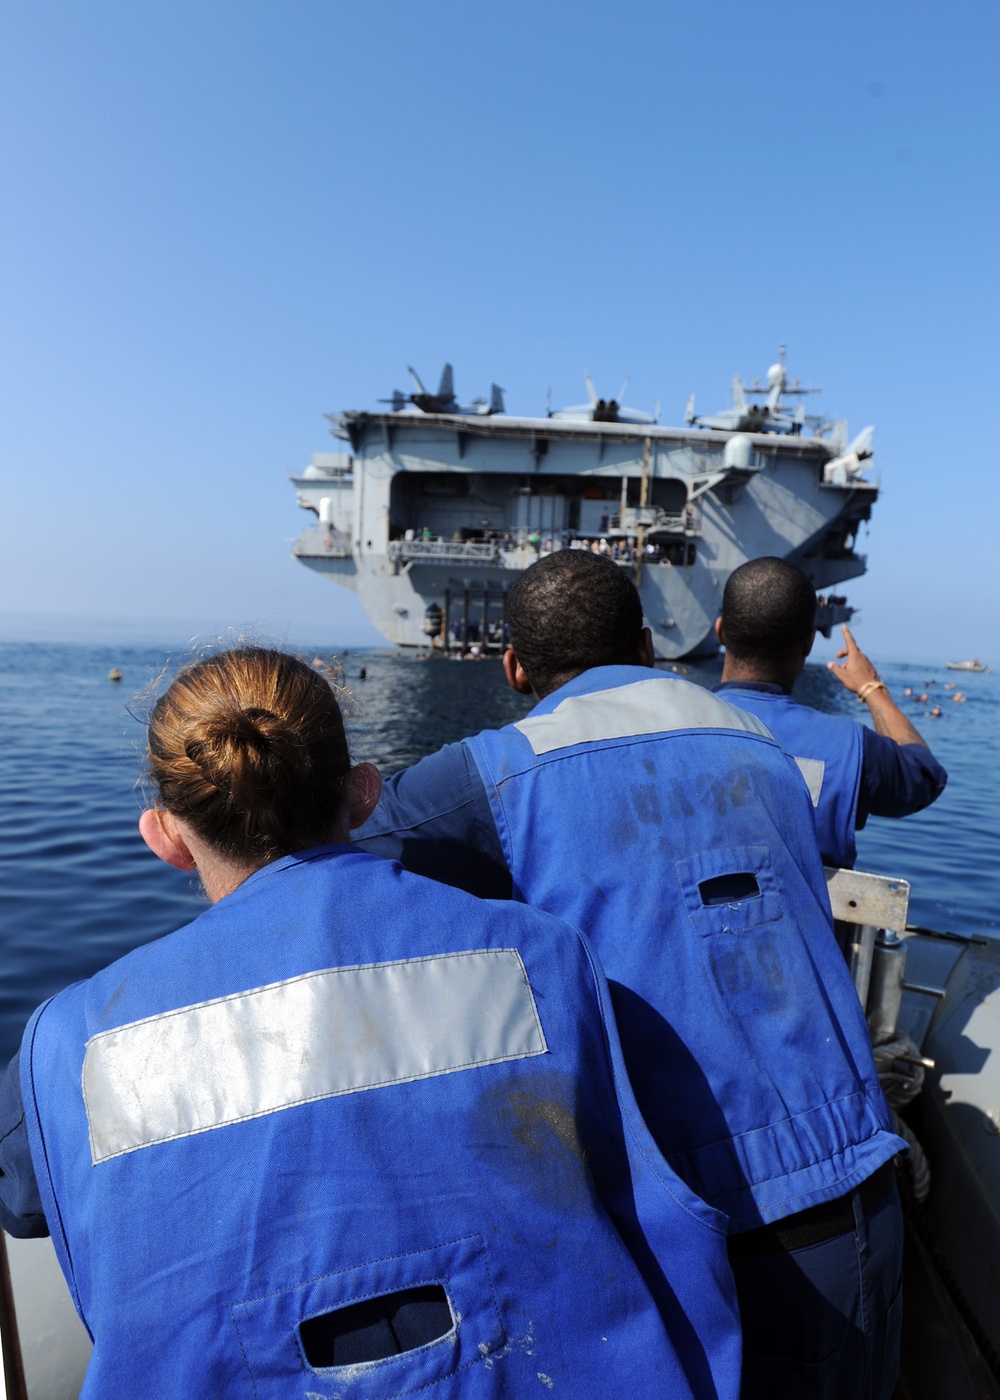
x=253, y=727
x=247, y=752
x=249, y=746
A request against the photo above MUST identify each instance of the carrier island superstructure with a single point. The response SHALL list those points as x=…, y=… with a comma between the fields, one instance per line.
x=432, y=507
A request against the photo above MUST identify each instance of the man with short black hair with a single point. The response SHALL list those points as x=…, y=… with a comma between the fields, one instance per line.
x=768, y=626
x=678, y=834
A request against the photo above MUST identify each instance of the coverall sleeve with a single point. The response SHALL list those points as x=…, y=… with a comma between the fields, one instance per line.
x=435, y=819
x=21, y=1213
x=896, y=779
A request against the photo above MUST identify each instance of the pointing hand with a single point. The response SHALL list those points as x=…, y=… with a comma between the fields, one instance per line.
x=857, y=671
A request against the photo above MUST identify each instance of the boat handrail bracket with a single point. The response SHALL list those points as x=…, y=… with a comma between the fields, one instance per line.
x=878, y=901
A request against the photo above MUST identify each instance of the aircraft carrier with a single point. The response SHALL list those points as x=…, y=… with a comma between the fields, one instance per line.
x=432, y=507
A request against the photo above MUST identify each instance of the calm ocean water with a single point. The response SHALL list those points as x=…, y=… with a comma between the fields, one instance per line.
x=78, y=887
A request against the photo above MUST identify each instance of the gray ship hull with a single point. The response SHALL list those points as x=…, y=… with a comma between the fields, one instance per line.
x=430, y=517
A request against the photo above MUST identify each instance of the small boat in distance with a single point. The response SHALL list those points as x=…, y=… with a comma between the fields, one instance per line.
x=977, y=667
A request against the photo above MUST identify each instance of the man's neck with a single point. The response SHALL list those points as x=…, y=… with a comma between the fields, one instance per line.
x=785, y=676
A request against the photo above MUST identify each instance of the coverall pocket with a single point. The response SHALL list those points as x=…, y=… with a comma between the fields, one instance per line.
x=732, y=901
x=387, y=1307
x=731, y=889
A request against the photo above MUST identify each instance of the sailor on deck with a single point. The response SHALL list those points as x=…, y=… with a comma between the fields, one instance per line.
x=350, y=1131
x=676, y=832
x=768, y=626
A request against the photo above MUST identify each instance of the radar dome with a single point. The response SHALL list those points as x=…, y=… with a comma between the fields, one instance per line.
x=736, y=453
x=775, y=375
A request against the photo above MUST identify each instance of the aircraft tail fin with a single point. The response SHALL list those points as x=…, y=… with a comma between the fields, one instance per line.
x=862, y=444
x=689, y=410
x=496, y=399
x=416, y=379
x=591, y=391
x=446, y=388
x=739, y=398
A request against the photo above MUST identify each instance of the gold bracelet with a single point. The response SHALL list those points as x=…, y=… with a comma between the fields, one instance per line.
x=870, y=689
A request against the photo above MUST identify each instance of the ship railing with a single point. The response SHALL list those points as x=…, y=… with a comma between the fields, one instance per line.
x=444, y=551
x=322, y=542
x=656, y=522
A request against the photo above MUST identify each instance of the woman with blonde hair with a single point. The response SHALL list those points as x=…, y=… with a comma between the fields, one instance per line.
x=349, y=1131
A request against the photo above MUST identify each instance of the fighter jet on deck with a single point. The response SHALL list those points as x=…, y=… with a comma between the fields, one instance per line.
x=599, y=410
x=766, y=417
x=444, y=400
x=851, y=457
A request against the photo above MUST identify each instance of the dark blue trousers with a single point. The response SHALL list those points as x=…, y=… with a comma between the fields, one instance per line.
x=822, y=1322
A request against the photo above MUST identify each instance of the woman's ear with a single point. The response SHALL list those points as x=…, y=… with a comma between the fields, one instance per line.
x=364, y=787
x=159, y=831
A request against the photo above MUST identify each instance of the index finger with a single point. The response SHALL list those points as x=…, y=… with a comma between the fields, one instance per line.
x=848, y=637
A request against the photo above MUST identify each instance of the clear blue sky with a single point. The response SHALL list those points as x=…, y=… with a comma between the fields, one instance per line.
x=221, y=220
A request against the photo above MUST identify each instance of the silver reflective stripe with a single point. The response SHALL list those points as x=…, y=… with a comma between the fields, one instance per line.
x=646, y=707
x=812, y=769
x=331, y=1032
